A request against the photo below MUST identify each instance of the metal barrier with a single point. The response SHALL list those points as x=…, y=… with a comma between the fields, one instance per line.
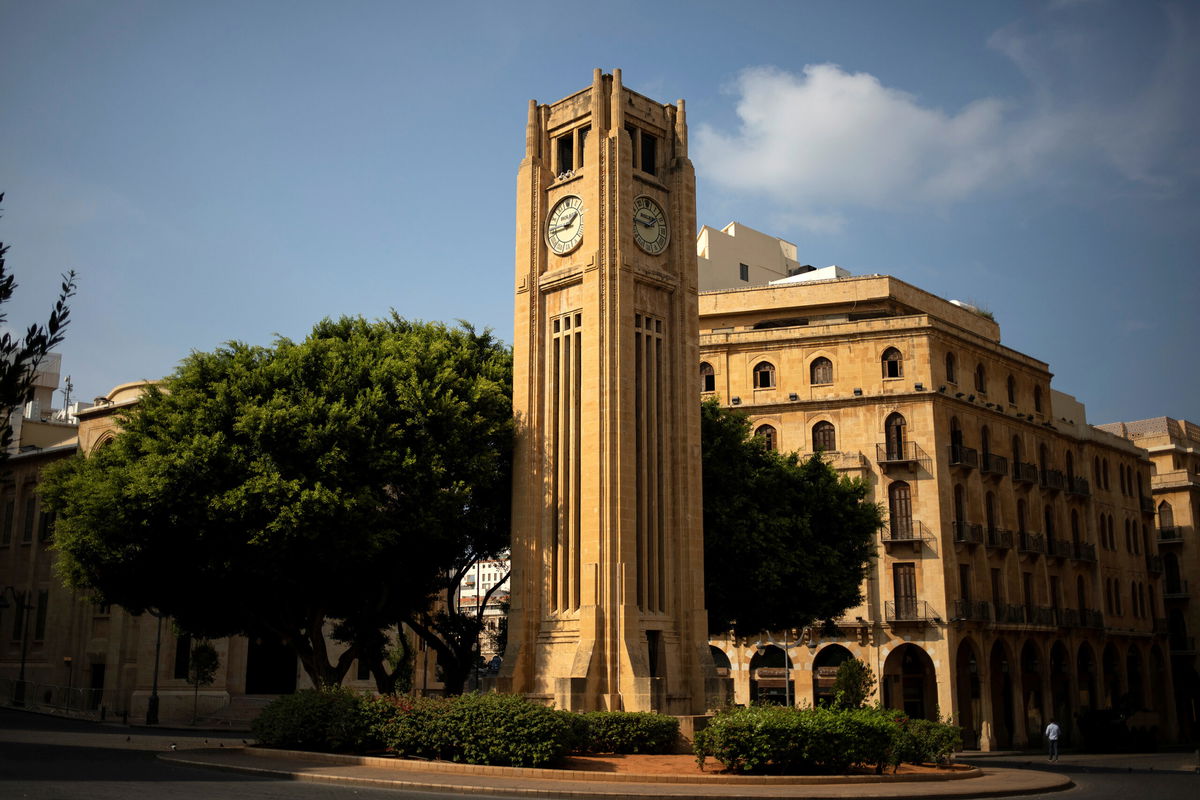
x=70, y=700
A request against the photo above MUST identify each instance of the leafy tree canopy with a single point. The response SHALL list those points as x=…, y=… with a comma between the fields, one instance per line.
x=265, y=490
x=786, y=541
x=21, y=356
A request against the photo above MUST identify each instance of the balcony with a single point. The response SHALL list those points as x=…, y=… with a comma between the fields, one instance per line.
x=1052, y=480
x=1031, y=544
x=1090, y=618
x=998, y=539
x=1175, y=590
x=1170, y=535
x=1083, y=551
x=1183, y=645
x=1147, y=504
x=1154, y=564
x=906, y=455
x=994, y=465
x=905, y=531
x=1041, y=615
x=908, y=612
x=1066, y=617
x=968, y=533
x=1079, y=487
x=1057, y=548
x=1024, y=473
x=966, y=457
x=1010, y=614
x=972, y=610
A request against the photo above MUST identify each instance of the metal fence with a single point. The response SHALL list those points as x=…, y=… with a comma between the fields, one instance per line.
x=69, y=700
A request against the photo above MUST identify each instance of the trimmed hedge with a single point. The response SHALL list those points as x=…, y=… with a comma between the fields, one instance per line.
x=628, y=732
x=329, y=720
x=820, y=740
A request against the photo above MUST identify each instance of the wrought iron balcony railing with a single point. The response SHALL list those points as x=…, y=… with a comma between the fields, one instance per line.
x=998, y=539
x=1083, y=551
x=1090, y=618
x=1024, y=473
x=1031, y=543
x=992, y=464
x=973, y=610
x=1057, y=548
x=1175, y=590
x=1079, y=486
x=962, y=456
x=1052, y=479
x=908, y=611
x=1170, y=535
x=969, y=533
x=899, y=454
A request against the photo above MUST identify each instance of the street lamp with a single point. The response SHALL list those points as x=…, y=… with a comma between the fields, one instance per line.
x=152, y=705
x=24, y=606
x=787, y=661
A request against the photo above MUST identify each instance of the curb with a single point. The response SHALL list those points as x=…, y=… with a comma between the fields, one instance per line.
x=416, y=776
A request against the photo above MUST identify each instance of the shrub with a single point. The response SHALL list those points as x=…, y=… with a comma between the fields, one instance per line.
x=924, y=741
x=495, y=729
x=325, y=720
x=789, y=740
x=628, y=732
x=854, y=684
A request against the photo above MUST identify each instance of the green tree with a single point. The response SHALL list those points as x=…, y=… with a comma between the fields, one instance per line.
x=786, y=541
x=202, y=671
x=854, y=684
x=21, y=356
x=332, y=482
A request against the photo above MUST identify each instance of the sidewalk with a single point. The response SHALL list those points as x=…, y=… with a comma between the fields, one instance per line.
x=1168, y=761
x=474, y=780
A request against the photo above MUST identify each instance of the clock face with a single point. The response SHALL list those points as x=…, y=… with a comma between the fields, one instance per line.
x=564, y=228
x=650, y=225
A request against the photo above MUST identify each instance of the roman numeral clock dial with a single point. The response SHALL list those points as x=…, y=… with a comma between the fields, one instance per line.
x=650, y=228
x=564, y=228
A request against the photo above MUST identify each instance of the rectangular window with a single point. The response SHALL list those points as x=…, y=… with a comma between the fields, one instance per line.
x=10, y=510
x=583, y=137
x=1054, y=591
x=43, y=603
x=30, y=513
x=904, y=582
x=566, y=153
x=964, y=582
x=649, y=153
x=46, y=528
x=183, y=656
x=997, y=589
x=364, y=670
x=744, y=272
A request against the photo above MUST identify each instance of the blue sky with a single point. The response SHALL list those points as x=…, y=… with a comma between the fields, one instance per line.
x=237, y=170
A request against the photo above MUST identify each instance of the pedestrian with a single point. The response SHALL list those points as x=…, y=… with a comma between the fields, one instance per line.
x=1052, y=732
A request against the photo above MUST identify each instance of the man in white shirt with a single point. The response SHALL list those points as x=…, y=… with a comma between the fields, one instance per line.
x=1052, y=732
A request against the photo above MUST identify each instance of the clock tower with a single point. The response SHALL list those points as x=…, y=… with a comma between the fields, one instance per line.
x=607, y=604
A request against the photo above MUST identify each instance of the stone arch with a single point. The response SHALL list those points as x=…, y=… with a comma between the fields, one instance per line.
x=1033, y=703
x=910, y=682
x=1000, y=673
x=1061, y=700
x=1085, y=676
x=1136, y=695
x=967, y=693
x=1112, y=675
x=894, y=435
x=769, y=669
x=824, y=670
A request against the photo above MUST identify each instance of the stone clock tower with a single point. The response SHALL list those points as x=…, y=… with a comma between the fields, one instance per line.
x=607, y=552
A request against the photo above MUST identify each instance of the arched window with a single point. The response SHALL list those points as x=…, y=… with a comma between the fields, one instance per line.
x=893, y=363
x=951, y=368
x=1070, y=468
x=893, y=428
x=1020, y=516
x=1012, y=390
x=1081, y=592
x=1043, y=458
x=821, y=371
x=956, y=436
x=708, y=378
x=824, y=437
x=989, y=511
x=900, y=510
x=1105, y=467
x=1133, y=599
x=1037, y=399
x=1128, y=538
x=1166, y=516
x=980, y=379
x=1016, y=450
x=1096, y=472
x=769, y=436
x=764, y=375
x=960, y=504
x=985, y=442
x=1048, y=518
x=1074, y=526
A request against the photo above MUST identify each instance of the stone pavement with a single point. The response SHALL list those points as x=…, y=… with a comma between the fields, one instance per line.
x=474, y=780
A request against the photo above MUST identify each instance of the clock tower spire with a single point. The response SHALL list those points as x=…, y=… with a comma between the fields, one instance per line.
x=607, y=588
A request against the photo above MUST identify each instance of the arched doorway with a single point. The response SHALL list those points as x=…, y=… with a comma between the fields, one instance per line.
x=893, y=428
x=910, y=682
x=769, y=670
x=1003, y=707
x=1136, y=696
x=1112, y=676
x=900, y=510
x=1085, y=675
x=1032, y=702
x=1060, y=687
x=967, y=692
x=825, y=668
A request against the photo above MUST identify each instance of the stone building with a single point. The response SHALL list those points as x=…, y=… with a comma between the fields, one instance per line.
x=1174, y=448
x=1017, y=578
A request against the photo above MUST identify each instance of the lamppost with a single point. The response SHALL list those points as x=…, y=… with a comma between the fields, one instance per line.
x=787, y=663
x=24, y=606
x=152, y=705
